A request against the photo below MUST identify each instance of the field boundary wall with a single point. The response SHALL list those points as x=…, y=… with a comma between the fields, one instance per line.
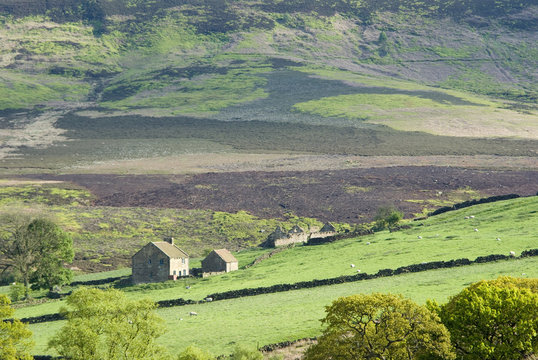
x=234, y=294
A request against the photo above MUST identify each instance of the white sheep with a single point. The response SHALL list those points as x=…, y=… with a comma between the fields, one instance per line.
x=512, y=253
x=192, y=313
x=472, y=216
x=208, y=299
x=466, y=217
x=476, y=230
x=419, y=237
x=368, y=243
x=358, y=270
x=498, y=239
x=352, y=265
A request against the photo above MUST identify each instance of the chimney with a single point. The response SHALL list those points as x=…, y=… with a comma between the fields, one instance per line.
x=169, y=240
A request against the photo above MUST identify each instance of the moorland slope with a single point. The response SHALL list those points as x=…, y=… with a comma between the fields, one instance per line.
x=84, y=82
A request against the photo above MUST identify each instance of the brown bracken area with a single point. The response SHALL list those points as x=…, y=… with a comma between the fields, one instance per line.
x=351, y=196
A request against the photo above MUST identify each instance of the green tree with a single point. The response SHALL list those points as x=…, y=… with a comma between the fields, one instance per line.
x=387, y=216
x=380, y=326
x=104, y=325
x=194, y=353
x=494, y=319
x=15, y=338
x=36, y=251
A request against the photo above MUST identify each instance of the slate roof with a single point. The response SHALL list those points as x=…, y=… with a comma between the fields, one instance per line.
x=328, y=227
x=170, y=250
x=225, y=255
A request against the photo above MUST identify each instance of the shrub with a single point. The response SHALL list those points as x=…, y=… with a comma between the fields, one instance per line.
x=387, y=216
x=244, y=352
x=17, y=291
x=194, y=353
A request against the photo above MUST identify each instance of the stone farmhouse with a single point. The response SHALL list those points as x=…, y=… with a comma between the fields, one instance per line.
x=297, y=235
x=159, y=261
x=219, y=262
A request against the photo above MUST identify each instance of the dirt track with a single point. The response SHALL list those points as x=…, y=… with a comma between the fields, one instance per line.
x=340, y=195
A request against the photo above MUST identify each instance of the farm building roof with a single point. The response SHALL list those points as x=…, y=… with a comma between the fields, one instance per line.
x=328, y=227
x=170, y=250
x=225, y=255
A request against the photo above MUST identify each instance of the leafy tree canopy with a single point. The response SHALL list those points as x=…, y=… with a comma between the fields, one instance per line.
x=15, y=338
x=36, y=251
x=104, y=325
x=495, y=319
x=380, y=326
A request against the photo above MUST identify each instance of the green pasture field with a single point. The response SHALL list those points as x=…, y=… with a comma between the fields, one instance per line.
x=291, y=315
x=444, y=237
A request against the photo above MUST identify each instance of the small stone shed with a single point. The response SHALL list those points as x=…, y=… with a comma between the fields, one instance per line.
x=296, y=235
x=219, y=261
x=159, y=261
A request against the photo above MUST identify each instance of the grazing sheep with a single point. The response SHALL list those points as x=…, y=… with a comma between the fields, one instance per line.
x=476, y=230
x=187, y=287
x=368, y=243
x=498, y=239
x=472, y=216
x=358, y=270
x=512, y=253
x=466, y=217
x=352, y=265
x=208, y=299
x=192, y=313
x=419, y=237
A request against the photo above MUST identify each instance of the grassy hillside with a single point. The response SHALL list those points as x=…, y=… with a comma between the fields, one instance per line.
x=443, y=237
x=295, y=314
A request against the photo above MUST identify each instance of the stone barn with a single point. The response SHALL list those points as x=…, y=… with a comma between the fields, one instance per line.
x=280, y=238
x=159, y=261
x=218, y=262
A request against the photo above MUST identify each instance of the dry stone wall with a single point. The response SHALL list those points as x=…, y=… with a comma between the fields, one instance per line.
x=315, y=283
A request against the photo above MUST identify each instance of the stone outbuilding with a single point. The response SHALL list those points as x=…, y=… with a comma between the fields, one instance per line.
x=219, y=261
x=159, y=261
x=280, y=238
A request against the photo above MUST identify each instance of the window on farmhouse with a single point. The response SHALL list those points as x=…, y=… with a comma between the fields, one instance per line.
x=183, y=260
x=161, y=261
